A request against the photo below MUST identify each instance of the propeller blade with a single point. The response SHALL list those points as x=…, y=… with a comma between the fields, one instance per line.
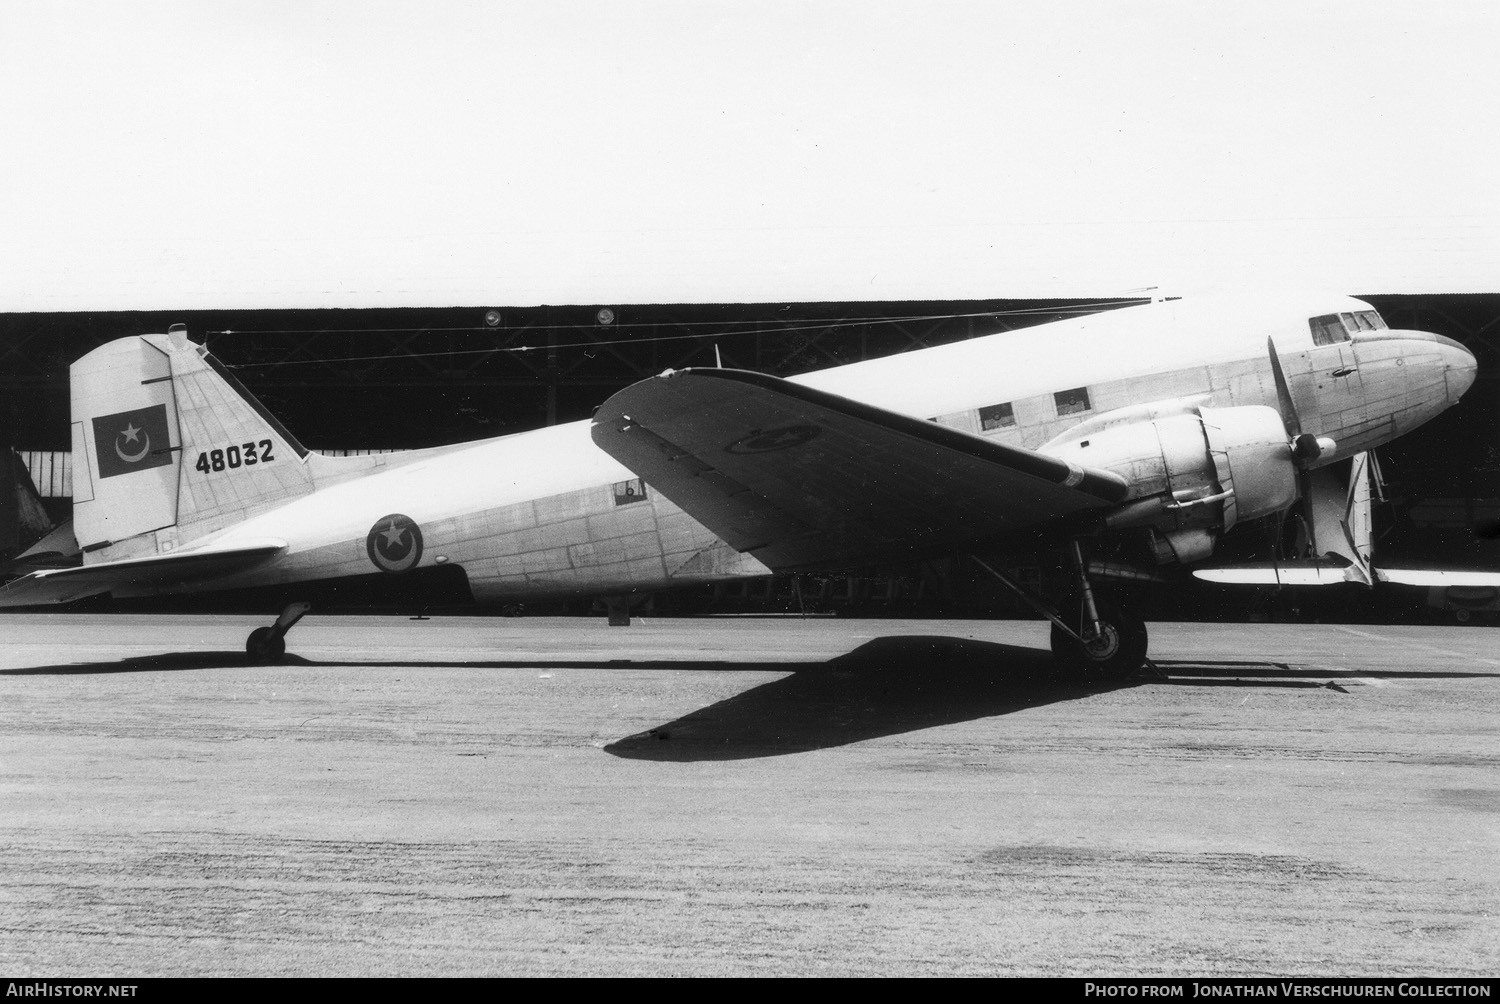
x=1287, y=406
x=1306, y=447
x=1309, y=538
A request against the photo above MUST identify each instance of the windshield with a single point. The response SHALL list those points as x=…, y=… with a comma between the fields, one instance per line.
x=1331, y=328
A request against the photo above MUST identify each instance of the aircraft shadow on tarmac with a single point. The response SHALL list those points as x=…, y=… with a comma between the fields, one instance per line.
x=183, y=661
x=903, y=684
x=156, y=663
x=885, y=687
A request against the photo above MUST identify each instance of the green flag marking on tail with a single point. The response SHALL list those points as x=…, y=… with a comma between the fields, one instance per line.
x=132, y=441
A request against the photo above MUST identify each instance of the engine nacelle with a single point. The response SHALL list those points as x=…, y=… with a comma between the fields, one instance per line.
x=1194, y=472
x=1253, y=458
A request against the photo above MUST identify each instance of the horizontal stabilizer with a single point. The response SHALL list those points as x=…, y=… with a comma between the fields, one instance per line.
x=57, y=549
x=136, y=576
x=802, y=478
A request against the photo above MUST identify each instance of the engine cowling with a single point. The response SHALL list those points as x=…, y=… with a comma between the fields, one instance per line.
x=1194, y=472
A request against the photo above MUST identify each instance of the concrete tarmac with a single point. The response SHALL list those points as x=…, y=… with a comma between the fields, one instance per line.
x=742, y=797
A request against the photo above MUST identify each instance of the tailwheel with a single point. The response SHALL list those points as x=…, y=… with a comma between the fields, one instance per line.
x=265, y=645
x=268, y=644
x=1114, y=652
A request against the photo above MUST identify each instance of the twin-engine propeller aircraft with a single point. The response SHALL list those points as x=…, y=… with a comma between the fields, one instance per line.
x=1143, y=432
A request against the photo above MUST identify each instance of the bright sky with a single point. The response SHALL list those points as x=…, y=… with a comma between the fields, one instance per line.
x=432, y=153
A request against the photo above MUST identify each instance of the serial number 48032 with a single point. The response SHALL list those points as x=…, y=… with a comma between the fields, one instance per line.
x=230, y=457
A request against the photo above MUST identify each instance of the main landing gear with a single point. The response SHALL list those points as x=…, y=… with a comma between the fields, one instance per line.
x=1091, y=637
x=1110, y=645
x=268, y=644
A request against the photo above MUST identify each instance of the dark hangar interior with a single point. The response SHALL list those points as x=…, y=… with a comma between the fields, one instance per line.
x=400, y=378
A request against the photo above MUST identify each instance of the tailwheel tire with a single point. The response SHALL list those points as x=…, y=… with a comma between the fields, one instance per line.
x=264, y=645
x=1118, y=652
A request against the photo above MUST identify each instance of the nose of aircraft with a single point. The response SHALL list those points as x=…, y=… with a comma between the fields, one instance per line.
x=1459, y=367
x=1407, y=378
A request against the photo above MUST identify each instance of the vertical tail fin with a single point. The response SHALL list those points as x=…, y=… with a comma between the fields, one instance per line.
x=175, y=448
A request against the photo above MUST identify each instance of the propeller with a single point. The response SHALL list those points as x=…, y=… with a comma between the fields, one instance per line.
x=1306, y=448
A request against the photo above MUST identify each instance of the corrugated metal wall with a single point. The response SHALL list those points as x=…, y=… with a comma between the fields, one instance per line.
x=51, y=472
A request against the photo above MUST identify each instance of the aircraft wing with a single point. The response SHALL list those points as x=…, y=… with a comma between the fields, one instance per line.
x=1443, y=577
x=136, y=576
x=801, y=478
x=1326, y=572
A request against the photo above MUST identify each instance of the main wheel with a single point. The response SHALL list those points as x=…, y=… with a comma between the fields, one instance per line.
x=1118, y=651
x=264, y=645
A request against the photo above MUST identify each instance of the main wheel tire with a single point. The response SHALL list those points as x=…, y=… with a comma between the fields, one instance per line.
x=265, y=645
x=1119, y=650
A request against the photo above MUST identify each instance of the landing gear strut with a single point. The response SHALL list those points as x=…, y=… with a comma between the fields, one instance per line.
x=1094, y=637
x=1090, y=636
x=268, y=644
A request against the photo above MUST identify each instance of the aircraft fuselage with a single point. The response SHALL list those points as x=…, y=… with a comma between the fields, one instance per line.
x=546, y=513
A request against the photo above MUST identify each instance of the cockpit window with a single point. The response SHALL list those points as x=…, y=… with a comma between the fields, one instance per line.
x=1332, y=328
x=1364, y=320
x=1328, y=329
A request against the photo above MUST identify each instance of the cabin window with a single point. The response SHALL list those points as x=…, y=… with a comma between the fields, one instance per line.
x=997, y=416
x=630, y=491
x=1328, y=329
x=1071, y=402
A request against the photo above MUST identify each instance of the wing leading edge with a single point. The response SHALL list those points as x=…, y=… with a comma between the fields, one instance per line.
x=801, y=478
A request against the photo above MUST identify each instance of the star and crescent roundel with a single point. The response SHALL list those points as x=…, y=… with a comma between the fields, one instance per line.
x=395, y=543
x=124, y=449
x=770, y=440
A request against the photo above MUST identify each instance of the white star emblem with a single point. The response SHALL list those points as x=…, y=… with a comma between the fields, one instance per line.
x=393, y=536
